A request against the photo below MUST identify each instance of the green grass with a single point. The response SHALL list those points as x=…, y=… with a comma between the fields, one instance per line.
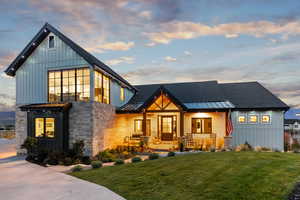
x=221, y=175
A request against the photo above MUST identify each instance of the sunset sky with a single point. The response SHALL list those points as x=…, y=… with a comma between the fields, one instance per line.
x=153, y=41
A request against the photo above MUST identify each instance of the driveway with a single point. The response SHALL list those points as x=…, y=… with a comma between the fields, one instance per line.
x=21, y=180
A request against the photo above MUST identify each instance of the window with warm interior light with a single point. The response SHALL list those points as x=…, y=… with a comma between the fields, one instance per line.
x=102, y=88
x=138, y=127
x=69, y=85
x=253, y=118
x=242, y=119
x=45, y=127
x=122, y=94
x=202, y=125
x=266, y=119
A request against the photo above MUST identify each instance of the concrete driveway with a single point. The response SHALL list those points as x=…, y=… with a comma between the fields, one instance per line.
x=21, y=180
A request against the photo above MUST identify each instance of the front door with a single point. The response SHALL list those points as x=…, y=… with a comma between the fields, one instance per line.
x=167, y=128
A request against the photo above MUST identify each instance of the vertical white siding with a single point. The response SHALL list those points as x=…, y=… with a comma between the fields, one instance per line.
x=264, y=135
x=31, y=77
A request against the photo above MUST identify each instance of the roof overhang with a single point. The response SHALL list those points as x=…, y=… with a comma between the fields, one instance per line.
x=47, y=107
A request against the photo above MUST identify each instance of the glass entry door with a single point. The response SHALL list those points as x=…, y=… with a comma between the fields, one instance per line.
x=168, y=128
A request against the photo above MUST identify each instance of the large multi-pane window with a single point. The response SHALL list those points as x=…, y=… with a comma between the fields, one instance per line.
x=69, y=85
x=102, y=88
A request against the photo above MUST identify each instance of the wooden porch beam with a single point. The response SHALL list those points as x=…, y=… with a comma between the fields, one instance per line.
x=181, y=123
x=144, y=123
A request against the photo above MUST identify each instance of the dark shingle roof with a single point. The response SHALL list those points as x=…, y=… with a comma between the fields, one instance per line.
x=210, y=95
x=291, y=121
x=41, y=35
x=251, y=95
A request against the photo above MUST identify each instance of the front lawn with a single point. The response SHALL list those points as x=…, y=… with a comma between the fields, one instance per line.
x=221, y=175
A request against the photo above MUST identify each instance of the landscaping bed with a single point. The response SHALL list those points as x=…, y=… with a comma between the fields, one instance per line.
x=218, y=175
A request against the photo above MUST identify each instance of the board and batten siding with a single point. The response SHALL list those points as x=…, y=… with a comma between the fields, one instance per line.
x=264, y=135
x=115, y=92
x=32, y=76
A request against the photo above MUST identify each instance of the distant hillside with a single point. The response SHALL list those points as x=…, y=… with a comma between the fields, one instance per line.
x=7, y=118
x=292, y=114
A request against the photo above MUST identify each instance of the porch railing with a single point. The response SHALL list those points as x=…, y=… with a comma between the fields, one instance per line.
x=200, y=141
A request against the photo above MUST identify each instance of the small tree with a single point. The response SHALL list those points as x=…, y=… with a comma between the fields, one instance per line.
x=30, y=144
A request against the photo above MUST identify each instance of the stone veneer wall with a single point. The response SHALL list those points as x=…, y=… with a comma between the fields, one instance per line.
x=103, y=120
x=80, y=125
x=21, y=130
x=88, y=121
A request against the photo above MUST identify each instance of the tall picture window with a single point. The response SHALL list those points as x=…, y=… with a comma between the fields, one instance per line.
x=122, y=94
x=69, y=85
x=102, y=88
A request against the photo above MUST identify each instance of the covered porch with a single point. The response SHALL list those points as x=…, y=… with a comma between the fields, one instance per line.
x=166, y=124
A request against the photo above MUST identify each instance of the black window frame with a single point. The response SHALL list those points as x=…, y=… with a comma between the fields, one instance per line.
x=44, y=121
x=61, y=84
x=51, y=42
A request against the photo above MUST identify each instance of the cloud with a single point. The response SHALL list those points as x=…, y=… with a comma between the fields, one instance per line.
x=114, y=46
x=170, y=59
x=146, y=14
x=123, y=59
x=187, y=53
x=189, y=30
x=150, y=44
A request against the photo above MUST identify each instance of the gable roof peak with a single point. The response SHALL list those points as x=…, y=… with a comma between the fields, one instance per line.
x=42, y=34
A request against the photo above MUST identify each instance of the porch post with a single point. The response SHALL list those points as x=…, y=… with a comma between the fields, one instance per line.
x=144, y=123
x=181, y=123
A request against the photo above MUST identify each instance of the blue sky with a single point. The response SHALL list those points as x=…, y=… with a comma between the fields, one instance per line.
x=152, y=41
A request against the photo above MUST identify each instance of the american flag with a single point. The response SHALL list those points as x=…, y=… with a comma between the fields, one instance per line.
x=229, y=126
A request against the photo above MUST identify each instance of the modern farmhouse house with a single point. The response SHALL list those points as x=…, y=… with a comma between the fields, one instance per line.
x=64, y=94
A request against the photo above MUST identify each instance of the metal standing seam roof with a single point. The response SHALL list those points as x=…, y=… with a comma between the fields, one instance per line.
x=210, y=105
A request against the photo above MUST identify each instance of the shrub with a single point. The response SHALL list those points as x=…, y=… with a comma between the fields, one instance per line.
x=244, y=147
x=77, y=168
x=96, y=164
x=258, y=149
x=30, y=144
x=181, y=147
x=265, y=149
x=86, y=160
x=171, y=154
x=212, y=149
x=153, y=156
x=77, y=149
x=68, y=161
x=119, y=162
x=106, y=156
x=136, y=159
x=295, y=145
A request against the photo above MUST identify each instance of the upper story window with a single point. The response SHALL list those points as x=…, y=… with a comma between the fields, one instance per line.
x=253, y=118
x=51, y=42
x=122, y=94
x=102, y=88
x=266, y=119
x=69, y=85
x=242, y=119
